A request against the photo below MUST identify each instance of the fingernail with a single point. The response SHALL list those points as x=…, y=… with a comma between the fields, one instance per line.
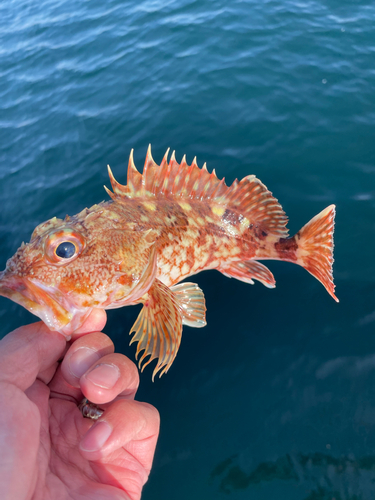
x=95, y=438
x=81, y=360
x=104, y=375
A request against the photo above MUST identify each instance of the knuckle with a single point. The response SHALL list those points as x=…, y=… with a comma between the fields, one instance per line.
x=151, y=414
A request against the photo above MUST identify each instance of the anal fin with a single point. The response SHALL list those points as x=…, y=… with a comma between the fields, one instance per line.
x=248, y=271
x=192, y=304
x=158, y=327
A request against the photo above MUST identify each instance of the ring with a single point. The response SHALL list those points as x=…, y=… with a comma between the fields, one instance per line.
x=90, y=410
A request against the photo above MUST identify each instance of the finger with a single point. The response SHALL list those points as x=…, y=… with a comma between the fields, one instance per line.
x=95, y=491
x=126, y=424
x=19, y=437
x=114, y=375
x=95, y=322
x=28, y=351
x=82, y=354
x=61, y=389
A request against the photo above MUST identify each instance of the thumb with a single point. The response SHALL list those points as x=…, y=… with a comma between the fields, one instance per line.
x=27, y=351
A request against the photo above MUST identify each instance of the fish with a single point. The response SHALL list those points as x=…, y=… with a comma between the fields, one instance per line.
x=170, y=222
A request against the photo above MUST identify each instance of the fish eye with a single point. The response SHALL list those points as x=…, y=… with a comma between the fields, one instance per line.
x=66, y=250
x=64, y=245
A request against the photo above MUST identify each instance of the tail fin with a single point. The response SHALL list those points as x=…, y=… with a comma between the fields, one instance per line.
x=315, y=248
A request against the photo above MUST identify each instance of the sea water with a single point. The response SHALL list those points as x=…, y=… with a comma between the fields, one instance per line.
x=275, y=398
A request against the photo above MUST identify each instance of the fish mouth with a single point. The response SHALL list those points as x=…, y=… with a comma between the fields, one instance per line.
x=53, y=308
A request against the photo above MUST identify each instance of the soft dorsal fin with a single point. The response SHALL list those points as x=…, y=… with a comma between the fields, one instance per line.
x=249, y=197
x=158, y=327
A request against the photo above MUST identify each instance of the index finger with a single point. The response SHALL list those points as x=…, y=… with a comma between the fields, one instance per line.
x=95, y=322
x=32, y=349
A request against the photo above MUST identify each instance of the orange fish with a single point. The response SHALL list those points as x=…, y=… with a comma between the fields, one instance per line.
x=166, y=224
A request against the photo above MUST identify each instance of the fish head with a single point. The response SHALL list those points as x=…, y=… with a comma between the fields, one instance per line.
x=72, y=266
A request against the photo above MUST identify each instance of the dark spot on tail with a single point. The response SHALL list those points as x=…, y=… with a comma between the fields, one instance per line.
x=260, y=233
x=286, y=248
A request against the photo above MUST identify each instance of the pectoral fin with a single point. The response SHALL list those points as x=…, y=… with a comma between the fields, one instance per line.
x=249, y=270
x=158, y=327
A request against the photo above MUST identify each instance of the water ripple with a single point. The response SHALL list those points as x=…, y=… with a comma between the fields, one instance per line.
x=280, y=89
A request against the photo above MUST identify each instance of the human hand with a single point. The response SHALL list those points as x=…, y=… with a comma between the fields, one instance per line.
x=48, y=450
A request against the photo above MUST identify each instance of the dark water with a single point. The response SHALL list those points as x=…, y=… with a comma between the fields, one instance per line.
x=275, y=398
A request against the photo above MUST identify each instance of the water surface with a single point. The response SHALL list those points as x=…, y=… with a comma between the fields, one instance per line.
x=275, y=398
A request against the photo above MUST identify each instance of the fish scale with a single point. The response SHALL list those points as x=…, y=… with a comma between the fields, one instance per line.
x=166, y=224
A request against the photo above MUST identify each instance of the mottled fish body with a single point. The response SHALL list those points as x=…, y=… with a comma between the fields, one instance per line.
x=164, y=225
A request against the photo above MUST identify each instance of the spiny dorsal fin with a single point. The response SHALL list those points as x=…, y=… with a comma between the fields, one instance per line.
x=249, y=196
x=134, y=177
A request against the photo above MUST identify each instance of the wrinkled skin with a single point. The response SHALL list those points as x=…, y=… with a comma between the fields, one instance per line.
x=49, y=451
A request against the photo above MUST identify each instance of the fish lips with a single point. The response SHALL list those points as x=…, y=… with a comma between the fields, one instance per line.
x=48, y=303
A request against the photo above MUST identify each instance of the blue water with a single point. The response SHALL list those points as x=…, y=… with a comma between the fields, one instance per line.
x=275, y=398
